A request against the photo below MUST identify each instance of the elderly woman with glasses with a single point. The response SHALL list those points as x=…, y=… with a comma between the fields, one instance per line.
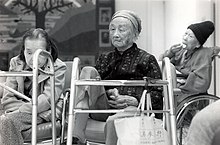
x=125, y=62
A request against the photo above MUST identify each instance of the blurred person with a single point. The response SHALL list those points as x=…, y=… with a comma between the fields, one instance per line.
x=125, y=62
x=16, y=122
x=205, y=126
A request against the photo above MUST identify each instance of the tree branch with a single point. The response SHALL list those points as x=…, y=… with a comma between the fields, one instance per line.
x=59, y=4
x=27, y=7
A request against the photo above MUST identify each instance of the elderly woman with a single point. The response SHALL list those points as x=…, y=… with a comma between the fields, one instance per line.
x=125, y=62
x=15, y=123
x=192, y=60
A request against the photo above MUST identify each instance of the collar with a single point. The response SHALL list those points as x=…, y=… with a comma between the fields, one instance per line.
x=131, y=49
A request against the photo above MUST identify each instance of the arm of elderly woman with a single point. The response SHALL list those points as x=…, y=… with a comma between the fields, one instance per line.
x=171, y=52
x=120, y=101
x=199, y=77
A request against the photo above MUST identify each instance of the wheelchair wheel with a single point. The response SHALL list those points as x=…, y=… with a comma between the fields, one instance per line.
x=187, y=109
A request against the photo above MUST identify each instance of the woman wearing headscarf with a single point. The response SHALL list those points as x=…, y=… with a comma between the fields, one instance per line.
x=125, y=62
x=192, y=60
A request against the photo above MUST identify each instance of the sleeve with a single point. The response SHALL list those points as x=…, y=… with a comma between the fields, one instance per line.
x=44, y=99
x=104, y=66
x=167, y=53
x=199, y=78
x=9, y=100
x=101, y=64
x=175, y=58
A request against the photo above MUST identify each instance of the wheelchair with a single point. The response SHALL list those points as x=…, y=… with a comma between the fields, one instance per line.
x=188, y=108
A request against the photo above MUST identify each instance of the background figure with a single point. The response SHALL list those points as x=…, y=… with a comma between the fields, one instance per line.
x=125, y=62
x=204, y=126
x=193, y=60
x=15, y=123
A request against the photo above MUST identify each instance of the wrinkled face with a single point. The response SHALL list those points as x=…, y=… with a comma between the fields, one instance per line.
x=31, y=45
x=121, y=33
x=190, y=40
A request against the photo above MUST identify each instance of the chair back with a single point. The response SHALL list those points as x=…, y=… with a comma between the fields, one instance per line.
x=68, y=74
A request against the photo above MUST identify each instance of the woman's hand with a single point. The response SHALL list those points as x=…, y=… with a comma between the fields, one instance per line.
x=171, y=52
x=123, y=101
x=112, y=93
x=175, y=48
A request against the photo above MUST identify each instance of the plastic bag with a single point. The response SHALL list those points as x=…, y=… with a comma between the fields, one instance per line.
x=141, y=130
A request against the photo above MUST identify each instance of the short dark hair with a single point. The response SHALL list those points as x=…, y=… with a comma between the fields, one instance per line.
x=39, y=33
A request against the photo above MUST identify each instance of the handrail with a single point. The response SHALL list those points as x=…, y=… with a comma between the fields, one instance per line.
x=167, y=83
x=120, y=82
x=34, y=74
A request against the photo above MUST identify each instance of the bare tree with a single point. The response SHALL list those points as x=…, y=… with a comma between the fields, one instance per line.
x=40, y=8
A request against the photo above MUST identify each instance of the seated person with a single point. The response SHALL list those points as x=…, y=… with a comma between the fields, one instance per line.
x=193, y=60
x=125, y=62
x=16, y=122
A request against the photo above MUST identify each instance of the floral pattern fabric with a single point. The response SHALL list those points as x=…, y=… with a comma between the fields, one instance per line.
x=132, y=64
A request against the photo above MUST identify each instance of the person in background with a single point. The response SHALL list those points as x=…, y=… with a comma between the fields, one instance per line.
x=192, y=60
x=15, y=123
x=125, y=62
x=205, y=126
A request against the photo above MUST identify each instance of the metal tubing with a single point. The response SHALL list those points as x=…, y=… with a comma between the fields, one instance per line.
x=15, y=92
x=34, y=74
x=171, y=102
x=15, y=74
x=166, y=119
x=35, y=97
x=168, y=89
x=53, y=105
x=74, y=77
x=119, y=82
x=119, y=110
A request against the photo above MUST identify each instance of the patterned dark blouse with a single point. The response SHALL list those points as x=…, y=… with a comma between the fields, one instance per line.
x=133, y=64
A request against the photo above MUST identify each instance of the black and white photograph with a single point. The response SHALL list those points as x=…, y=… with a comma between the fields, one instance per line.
x=109, y=72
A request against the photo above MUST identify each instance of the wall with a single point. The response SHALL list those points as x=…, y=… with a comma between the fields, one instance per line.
x=164, y=22
x=152, y=15
x=139, y=6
